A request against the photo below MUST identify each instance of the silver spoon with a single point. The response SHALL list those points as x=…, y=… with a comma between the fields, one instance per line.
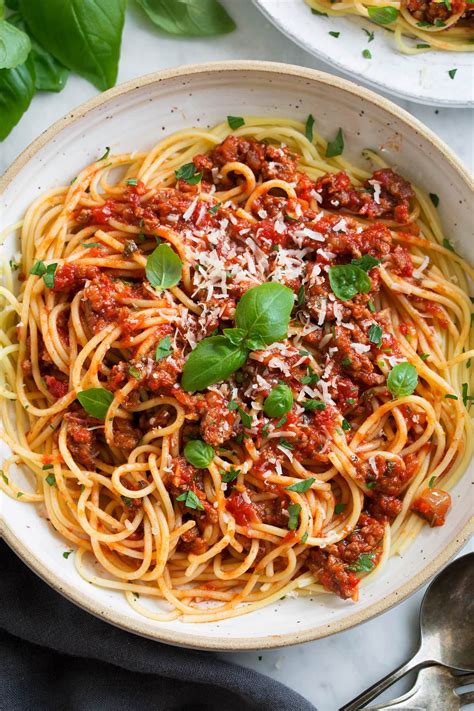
x=446, y=628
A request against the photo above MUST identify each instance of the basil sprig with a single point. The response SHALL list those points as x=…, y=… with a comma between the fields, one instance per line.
x=335, y=147
x=301, y=486
x=261, y=317
x=96, y=401
x=163, y=349
x=190, y=500
x=198, y=453
x=278, y=401
x=347, y=280
x=402, y=379
x=163, y=267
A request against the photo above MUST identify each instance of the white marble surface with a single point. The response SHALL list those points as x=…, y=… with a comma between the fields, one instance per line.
x=329, y=671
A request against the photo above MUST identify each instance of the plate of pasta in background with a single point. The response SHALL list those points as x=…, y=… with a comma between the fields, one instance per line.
x=236, y=352
x=415, y=49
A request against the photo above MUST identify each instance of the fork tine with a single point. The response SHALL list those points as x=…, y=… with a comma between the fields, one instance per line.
x=465, y=679
x=467, y=698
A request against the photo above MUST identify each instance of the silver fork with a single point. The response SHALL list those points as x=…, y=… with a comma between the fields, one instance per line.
x=434, y=689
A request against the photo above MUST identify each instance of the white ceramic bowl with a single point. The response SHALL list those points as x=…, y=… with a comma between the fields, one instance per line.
x=134, y=116
x=423, y=78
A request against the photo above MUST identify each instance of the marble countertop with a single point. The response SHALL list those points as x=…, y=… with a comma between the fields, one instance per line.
x=329, y=671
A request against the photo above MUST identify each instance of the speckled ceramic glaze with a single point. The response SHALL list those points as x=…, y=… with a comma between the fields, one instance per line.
x=423, y=77
x=134, y=116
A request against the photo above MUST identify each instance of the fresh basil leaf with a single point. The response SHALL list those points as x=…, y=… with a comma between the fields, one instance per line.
x=84, y=35
x=278, y=401
x=301, y=486
x=264, y=312
x=197, y=18
x=375, y=334
x=50, y=75
x=383, y=15
x=235, y=122
x=234, y=335
x=12, y=4
x=347, y=280
x=308, y=129
x=190, y=500
x=294, y=512
x=38, y=268
x=314, y=405
x=163, y=267
x=255, y=343
x=48, y=276
x=229, y=476
x=402, y=379
x=198, y=453
x=17, y=88
x=364, y=563
x=213, y=360
x=366, y=262
x=189, y=173
x=336, y=147
x=163, y=349
x=15, y=45
x=96, y=401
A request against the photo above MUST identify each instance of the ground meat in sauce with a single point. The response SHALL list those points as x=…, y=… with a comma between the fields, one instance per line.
x=392, y=202
x=217, y=422
x=432, y=11
x=125, y=435
x=82, y=439
x=330, y=564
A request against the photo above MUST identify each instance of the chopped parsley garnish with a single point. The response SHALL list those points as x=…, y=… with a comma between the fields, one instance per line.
x=127, y=501
x=465, y=397
x=452, y=73
x=235, y=122
x=366, y=53
x=314, y=405
x=317, y=12
x=335, y=147
x=132, y=181
x=229, y=476
x=370, y=35
x=447, y=245
x=134, y=372
x=449, y=396
x=244, y=416
x=294, y=512
x=371, y=484
x=423, y=46
x=371, y=307
x=346, y=425
x=66, y=554
x=308, y=129
x=431, y=482
x=91, y=245
x=51, y=479
x=311, y=378
x=424, y=356
x=375, y=334
x=434, y=199
x=346, y=361
x=190, y=500
x=301, y=486
x=300, y=299
x=4, y=477
x=334, y=34
x=284, y=443
x=339, y=508
x=163, y=349
x=45, y=467
x=364, y=563
x=304, y=537
x=105, y=156
x=212, y=210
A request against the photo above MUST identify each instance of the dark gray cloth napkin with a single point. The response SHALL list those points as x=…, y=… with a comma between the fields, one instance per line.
x=56, y=657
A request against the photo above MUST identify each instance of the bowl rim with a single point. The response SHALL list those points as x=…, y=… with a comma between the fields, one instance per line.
x=173, y=636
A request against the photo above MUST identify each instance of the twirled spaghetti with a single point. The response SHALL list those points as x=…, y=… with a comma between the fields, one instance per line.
x=446, y=25
x=235, y=368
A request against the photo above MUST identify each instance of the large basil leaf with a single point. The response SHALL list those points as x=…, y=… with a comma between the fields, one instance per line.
x=17, y=88
x=96, y=401
x=50, y=75
x=163, y=267
x=264, y=312
x=15, y=45
x=402, y=379
x=213, y=360
x=85, y=35
x=198, y=18
x=347, y=280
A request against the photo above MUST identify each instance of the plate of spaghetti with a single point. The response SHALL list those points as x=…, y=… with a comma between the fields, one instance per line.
x=415, y=49
x=235, y=355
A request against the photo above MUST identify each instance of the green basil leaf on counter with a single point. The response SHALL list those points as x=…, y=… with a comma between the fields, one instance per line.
x=198, y=18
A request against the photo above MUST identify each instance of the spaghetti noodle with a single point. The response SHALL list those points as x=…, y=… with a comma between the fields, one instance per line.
x=446, y=25
x=235, y=368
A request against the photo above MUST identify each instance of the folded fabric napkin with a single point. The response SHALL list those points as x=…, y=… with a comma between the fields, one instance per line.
x=56, y=657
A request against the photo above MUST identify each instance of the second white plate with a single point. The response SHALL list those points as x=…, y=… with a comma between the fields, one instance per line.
x=423, y=78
